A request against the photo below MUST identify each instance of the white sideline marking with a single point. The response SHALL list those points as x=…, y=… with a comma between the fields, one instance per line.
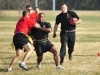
x=91, y=65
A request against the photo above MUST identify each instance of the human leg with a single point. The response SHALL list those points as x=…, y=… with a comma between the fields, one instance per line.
x=39, y=60
x=15, y=59
x=55, y=55
x=39, y=53
x=71, y=43
x=64, y=39
x=29, y=50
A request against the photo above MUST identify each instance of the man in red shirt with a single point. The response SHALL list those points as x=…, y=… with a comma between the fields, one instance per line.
x=33, y=15
x=36, y=9
x=21, y=41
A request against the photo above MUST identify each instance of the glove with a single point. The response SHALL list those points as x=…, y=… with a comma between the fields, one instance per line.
x=73, y=20
x=54, y=35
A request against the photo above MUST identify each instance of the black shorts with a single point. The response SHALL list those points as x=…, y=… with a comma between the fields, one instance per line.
x=42, y=46
x=19, y=39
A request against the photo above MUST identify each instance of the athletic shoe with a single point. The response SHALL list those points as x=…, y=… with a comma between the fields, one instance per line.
x=9, y=70
x=38, y=65
x=23, y=66
x=59, y=67
x=70, y=57
x=61, y=60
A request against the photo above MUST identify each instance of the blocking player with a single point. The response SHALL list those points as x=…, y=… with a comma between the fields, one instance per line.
x=41, y=42
x=21, y=41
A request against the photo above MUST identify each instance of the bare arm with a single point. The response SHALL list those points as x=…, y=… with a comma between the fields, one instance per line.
x=37, y=25
x=55, y=29
x=78, y=22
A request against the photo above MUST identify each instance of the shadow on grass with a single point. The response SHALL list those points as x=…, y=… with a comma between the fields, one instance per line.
x=3, y=70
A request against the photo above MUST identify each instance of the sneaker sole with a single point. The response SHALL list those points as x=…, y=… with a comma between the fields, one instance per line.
x=8, y=71
x=23, y=68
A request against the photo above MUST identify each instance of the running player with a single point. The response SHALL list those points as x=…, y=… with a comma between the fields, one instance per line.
x=67, y=34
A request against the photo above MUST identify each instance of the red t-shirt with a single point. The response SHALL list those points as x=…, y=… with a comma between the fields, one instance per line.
x=24, y=25
x=34, y=16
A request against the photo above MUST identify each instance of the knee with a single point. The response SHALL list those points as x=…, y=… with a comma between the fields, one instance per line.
x=64, y=44
x=18, y=55
x=54, y=52
x=31, y=50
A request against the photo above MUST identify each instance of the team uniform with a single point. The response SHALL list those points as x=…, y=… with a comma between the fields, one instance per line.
x=34, y=16
x=67, y=34
x=41, y=42
x=23, y=26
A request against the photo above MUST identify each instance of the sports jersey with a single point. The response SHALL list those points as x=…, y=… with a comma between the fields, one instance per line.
x=40, y=34
x=64, y=18
x=24, y=25
x=34, y=16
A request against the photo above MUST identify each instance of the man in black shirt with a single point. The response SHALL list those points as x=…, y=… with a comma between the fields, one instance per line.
x=67, y=34
x=41, y=42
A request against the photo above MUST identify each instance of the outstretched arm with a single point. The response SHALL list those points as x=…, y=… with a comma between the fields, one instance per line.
x=37, y=25
x=46, y=29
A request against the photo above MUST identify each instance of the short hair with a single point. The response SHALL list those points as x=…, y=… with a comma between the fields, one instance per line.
x=63, y=4
x=28, y=6
x=35, y=8
x=25, y=12
x=41, y=14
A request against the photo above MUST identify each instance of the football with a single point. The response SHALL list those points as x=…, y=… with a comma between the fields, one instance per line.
x=74, y=19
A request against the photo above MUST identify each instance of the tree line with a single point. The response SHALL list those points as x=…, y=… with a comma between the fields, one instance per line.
x=47, y=4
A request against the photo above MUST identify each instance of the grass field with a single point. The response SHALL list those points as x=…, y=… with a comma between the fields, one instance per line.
x=85, y=56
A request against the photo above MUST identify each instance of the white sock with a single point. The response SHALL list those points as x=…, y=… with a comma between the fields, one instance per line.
x=23, y=63
x=57, y=65
x=9, y=69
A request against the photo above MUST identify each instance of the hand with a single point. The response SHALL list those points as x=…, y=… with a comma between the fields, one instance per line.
x=54, y=35
x=73, y=20
x=37, y=25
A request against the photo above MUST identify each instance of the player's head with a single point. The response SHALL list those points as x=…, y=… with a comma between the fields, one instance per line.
x=41, y=17
x=36, y=9
x=28, y=7
x=64, y=8
x=25, y=13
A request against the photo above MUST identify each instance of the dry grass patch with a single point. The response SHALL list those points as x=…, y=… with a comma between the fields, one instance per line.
x=85, y=59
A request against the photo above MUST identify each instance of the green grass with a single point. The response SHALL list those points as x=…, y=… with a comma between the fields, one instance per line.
x=52, y=18
x=88, y=38
x=14, y=18
x=90, y=18
x=85, y=60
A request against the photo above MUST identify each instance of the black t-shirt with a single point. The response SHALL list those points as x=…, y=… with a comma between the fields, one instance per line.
x=40, y=34
x=64, y=18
